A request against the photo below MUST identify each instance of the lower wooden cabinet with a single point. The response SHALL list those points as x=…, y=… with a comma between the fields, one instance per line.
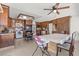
x=6, y=39
x=52, y=47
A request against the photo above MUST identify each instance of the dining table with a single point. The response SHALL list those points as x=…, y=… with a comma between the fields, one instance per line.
x=54, y=39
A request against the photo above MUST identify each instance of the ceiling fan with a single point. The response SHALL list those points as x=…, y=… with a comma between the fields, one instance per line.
x=56, y=8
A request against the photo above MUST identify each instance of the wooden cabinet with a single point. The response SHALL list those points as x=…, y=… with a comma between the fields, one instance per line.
x=19, y=21
x=42, y=28
x=28, y=29
x=52, y=47
x=24, y=22
x=6, y=39
x=62, y=25
x=4, y=15
x=10, y=22
x=44, y=24
x=28, y=22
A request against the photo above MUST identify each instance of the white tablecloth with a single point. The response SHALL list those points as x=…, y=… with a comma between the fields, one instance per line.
x=56, y=38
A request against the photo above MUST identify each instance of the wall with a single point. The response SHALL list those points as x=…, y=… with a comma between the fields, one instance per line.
x=74, y=25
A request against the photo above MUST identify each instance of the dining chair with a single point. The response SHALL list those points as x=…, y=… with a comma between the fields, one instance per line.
x=68, y=45
x=42, y=45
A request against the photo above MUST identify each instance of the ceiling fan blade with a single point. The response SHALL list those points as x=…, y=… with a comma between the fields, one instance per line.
x=47, y=9
x=50, y=12
x=63, y=7
x=57, y=12
x=56, y=5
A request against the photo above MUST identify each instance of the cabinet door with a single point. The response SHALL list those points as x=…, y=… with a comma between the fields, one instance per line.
x=4, y=16
x=10, y=22
x=63, y=25
x=59, y=25
x=44, y=24
x=54, y=22
x=6, y=40
x=28, y=22
x=43, y=27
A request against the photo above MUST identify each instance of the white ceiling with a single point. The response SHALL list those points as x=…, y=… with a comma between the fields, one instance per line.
x=36, y=9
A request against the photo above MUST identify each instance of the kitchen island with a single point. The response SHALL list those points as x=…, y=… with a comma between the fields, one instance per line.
x=7, y=39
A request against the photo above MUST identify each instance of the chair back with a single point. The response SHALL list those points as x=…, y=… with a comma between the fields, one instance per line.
x=38, y=40
x=71, y=49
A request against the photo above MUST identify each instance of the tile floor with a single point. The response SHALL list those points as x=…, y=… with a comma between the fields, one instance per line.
x=26, y=48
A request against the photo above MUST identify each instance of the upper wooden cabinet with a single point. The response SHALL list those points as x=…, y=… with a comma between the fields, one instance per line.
x=4, y=16
x=27, y=19
x=19, y=21
x=10, y=22
x=42, y=28
x=42, y=24
x=28, y=22
x=24, y=22
x=62, y=25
